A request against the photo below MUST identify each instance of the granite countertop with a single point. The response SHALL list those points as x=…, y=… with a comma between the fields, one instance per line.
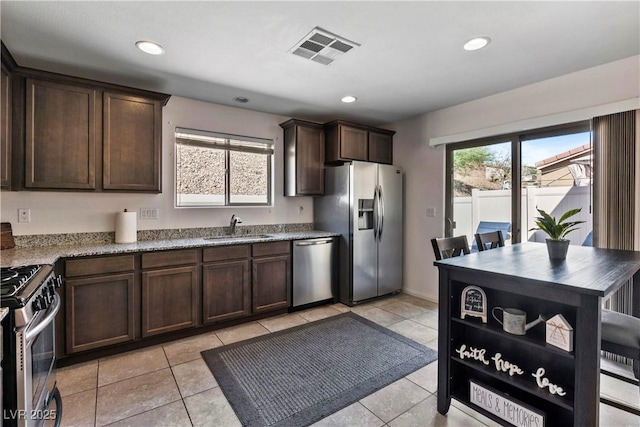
x=50, y=254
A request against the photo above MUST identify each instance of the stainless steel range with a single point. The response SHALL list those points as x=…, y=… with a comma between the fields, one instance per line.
x=28, y=360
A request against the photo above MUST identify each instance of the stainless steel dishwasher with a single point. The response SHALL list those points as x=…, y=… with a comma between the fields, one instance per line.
x=314, y=265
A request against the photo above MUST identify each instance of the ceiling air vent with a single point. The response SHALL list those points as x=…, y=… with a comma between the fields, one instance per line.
x=322, y=46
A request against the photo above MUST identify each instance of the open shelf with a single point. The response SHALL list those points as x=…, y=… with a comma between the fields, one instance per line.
x=555, y=415
x=524, y=340
x=528, y=386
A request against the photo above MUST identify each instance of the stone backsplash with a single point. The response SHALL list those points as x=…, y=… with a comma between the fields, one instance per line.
x=37, y=240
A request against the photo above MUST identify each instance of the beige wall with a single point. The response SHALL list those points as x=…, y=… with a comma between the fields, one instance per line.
x=424, y=165
x=66, y=212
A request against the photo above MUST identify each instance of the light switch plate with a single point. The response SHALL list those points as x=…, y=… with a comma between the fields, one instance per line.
x=431, y=212
x=148, y=213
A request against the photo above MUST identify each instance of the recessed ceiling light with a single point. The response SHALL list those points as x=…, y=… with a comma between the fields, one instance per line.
x=349, y=99
x=241, y=99
x=477, y=43
x=150, y=47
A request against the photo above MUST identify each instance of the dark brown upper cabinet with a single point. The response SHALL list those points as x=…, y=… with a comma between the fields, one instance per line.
x=346, y=141
x=5, y=128
x=132, y=143
x=380, y=147
x=62, y=127
x=303, y=158
x=74, y=134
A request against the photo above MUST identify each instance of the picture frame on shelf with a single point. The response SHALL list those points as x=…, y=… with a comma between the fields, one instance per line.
x=559, y=333
x=473, y=302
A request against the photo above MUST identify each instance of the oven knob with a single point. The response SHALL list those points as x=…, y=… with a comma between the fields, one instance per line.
x=39, y=303
x=48, y=296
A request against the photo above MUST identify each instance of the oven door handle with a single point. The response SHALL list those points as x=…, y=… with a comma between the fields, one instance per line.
x=51, y=314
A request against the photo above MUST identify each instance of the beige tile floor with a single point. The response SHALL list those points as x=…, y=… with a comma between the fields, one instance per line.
x=170, y=385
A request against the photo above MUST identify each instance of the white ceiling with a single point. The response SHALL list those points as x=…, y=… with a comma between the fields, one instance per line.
x=410, y=60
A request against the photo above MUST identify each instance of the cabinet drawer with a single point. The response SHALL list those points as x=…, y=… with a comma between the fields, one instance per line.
x=102, y=265
x=169, y=258
x=223, y=253
x=262, y=249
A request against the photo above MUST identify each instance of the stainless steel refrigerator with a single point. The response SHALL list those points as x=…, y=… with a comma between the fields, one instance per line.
x=364, y=203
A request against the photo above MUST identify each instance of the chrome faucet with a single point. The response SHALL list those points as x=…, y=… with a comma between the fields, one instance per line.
x=235, y=220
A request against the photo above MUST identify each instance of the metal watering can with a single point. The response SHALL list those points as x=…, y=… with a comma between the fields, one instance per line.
x=514, y=321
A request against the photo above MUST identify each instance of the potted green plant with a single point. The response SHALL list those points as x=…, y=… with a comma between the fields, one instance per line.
x=557, y=245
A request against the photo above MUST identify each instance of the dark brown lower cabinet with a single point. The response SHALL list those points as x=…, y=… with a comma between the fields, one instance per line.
x=225, y=291
x=225, y=283
x=169, y=300
x=100, y=311
x=271, y=276
x=271, y=283
x=129, y=297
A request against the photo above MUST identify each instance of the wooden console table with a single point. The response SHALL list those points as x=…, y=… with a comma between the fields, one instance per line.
x=522, y=276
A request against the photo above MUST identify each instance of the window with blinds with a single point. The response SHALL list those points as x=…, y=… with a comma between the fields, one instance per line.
x=215, y=169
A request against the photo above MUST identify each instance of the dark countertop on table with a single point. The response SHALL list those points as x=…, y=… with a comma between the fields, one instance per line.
x=586, y=270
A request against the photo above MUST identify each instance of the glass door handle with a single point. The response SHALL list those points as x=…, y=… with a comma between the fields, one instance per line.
x=449, y=226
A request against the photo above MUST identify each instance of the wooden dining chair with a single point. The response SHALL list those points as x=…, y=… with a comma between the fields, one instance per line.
x=448, y=247
x=620, y=334
x=491, y=240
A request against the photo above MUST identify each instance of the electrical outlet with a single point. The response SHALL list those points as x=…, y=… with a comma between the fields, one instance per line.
x=148, y=213
x=300, y=209
x=431, y=212
x=24, y=215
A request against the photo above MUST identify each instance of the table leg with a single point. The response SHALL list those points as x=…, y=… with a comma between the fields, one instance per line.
x=587, y=362
x=635, y=301
x=444, y=340
x=635, y=311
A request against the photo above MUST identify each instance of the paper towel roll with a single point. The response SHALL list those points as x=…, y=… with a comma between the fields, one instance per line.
x=126, y=227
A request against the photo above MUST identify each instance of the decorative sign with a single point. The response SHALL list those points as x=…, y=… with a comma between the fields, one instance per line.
x=506, y=366
x=473, y=303
x=560, y=333
x=544, y=382
x=504, y=407
x=472, y=353
x=503, y=365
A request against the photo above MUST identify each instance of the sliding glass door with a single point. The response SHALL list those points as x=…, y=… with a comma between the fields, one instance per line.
x=499, y=183
x=556, y=177
x=481, y=178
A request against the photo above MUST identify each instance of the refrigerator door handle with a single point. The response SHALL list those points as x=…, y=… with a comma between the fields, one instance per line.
x=375, y=213
x=381, y=219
